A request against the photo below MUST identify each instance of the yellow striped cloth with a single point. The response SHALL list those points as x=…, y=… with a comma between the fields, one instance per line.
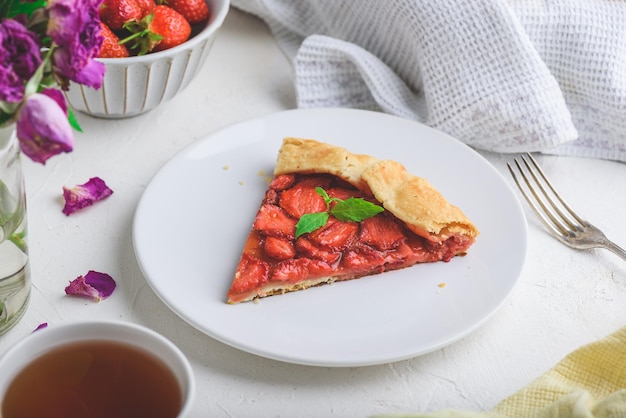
x=588, y=383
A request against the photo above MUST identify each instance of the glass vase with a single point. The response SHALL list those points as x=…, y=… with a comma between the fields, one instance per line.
x=14, y=266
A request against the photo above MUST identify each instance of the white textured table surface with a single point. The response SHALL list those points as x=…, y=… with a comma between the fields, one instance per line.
x=564, y=298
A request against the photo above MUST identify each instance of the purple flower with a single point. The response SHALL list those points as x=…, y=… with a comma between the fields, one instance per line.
x=74, y=26
x=84, y=195
x=11, y=87
x=42, y=126
x=58, y=97
x=95, y=286
x=20, y=56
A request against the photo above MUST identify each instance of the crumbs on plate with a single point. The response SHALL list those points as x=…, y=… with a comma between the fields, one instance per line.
x=261, y=173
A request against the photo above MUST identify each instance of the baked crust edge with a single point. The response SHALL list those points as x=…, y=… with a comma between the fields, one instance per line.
x=410, y=198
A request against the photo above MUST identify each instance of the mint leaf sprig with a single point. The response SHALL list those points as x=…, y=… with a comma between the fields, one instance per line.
x=352, y=209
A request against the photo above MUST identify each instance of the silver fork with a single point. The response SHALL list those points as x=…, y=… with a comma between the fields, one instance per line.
x=555, y=214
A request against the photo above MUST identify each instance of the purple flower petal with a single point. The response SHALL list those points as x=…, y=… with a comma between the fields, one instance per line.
x=95, y=286
x=41, y=326
x=81, y=196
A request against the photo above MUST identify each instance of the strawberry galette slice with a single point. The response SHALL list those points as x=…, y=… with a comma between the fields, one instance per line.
x=330, y=215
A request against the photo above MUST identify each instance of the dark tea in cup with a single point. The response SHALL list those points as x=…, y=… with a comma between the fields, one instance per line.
x=116, y=370
x=94, y=379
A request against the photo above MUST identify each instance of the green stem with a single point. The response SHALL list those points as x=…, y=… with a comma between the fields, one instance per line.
x=32, y=85
x=19, y=240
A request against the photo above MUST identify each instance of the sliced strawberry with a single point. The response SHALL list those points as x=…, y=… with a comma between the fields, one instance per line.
x=455, y=245
x=279, y=248
x=310, y=250
x=363, y=259
x=335, y=235
x=381, y=232
x=195, y=11
x=282, y=182
x=320, y=180
x=398, y=257
x=251, y=272
x=421, y=250
x=344, y=193
x=254, y=244
x=271, y=197
x=298, y=269
x=274, y=222
x=300, y=200
x=116, y=13
x=110, y=46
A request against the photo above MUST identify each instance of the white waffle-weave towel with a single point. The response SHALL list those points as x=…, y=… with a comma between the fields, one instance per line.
x=499, y=75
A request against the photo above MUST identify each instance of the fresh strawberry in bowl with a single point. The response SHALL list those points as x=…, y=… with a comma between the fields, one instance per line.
x=111, y=47
x=152, y=50
x=116, y=13
x=195, y=11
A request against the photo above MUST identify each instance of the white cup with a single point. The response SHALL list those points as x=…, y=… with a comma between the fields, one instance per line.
x=42, y=341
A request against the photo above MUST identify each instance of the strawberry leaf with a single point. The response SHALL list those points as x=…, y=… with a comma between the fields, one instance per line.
x=355, y=209
x=141, y=38
x=320, y=191
x=309, y=222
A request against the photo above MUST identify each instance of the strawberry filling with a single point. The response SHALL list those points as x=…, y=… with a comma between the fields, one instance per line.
x=343, y=250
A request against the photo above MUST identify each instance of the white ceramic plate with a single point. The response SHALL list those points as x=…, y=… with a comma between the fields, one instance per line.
x=195, y=214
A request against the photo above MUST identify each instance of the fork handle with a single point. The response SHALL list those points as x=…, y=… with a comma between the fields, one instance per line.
x=616, y=249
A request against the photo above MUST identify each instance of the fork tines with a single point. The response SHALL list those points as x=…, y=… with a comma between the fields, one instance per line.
x=556, y=215
x=554, y=212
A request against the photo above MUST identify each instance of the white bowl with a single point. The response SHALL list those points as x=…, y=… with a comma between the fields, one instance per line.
x=45, y=340
x=136, y=85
